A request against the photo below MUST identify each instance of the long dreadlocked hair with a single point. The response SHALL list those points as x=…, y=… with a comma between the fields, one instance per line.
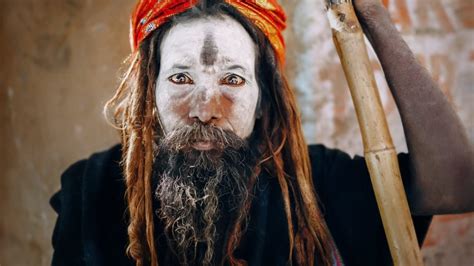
x=283, y=149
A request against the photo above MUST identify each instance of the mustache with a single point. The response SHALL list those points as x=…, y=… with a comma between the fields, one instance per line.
x=199, y=193
x=186, y=136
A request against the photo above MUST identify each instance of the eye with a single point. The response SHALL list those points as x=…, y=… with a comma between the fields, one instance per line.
x=232, y=80
x=181, y=79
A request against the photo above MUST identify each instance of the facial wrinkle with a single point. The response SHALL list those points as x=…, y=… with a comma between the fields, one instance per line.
x=209, y=51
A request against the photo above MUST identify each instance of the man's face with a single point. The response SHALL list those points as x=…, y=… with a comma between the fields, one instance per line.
x=207, y=75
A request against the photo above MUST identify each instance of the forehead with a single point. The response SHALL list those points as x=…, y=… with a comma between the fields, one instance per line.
x=184, y=43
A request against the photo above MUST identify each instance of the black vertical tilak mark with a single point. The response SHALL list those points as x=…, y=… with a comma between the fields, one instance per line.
x=209, y=51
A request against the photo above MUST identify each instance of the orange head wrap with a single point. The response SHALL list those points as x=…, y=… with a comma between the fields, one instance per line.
x=267, y=15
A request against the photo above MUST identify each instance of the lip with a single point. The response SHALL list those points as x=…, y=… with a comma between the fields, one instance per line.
x=203, y=145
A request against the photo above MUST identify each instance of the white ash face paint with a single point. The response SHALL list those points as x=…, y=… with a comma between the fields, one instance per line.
x=207, y=73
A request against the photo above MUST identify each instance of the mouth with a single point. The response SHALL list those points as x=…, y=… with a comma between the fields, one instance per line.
x=203, y=145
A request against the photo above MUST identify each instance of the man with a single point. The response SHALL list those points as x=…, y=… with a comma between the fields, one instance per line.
x=215, y=167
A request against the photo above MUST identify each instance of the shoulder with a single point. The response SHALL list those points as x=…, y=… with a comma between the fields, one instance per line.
x=101, y=171
x=90, y=180
x=320, y=153
x=88, y=175
x=90, y=207
x=100, y=167
x=329, y=164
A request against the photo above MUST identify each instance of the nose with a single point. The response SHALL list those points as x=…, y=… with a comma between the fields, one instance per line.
x=206, y=106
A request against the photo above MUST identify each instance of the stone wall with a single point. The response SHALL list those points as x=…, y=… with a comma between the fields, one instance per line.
x=60, y=62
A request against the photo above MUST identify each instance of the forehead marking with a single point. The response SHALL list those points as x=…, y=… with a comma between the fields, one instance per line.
x=209, y=51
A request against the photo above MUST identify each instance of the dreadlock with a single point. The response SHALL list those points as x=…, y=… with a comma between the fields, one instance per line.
x=283, y=149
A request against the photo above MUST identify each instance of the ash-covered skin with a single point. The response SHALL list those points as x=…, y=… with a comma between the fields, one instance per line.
x=207, y=74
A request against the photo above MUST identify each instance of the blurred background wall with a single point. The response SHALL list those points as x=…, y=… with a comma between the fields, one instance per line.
x=60, y=61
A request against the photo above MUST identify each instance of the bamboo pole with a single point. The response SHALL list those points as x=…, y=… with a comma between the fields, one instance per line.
x=380, y=154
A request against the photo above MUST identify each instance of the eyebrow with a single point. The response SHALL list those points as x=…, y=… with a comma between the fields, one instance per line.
x=181, y=67
x=234, y=67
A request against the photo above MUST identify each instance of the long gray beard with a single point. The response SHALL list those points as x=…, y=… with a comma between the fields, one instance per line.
x=197, y=188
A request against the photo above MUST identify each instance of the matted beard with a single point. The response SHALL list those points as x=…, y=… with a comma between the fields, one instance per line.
x=199, y=191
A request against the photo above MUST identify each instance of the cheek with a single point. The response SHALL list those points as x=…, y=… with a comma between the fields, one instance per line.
x=242, y=115
x=172, y=107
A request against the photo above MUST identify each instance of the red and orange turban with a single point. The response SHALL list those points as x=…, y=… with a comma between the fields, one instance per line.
x=267, y=15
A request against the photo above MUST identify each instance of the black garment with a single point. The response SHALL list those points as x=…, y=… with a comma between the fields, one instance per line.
x=92, y=220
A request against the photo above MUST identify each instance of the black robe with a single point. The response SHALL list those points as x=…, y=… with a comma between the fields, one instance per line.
x=92, y=217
